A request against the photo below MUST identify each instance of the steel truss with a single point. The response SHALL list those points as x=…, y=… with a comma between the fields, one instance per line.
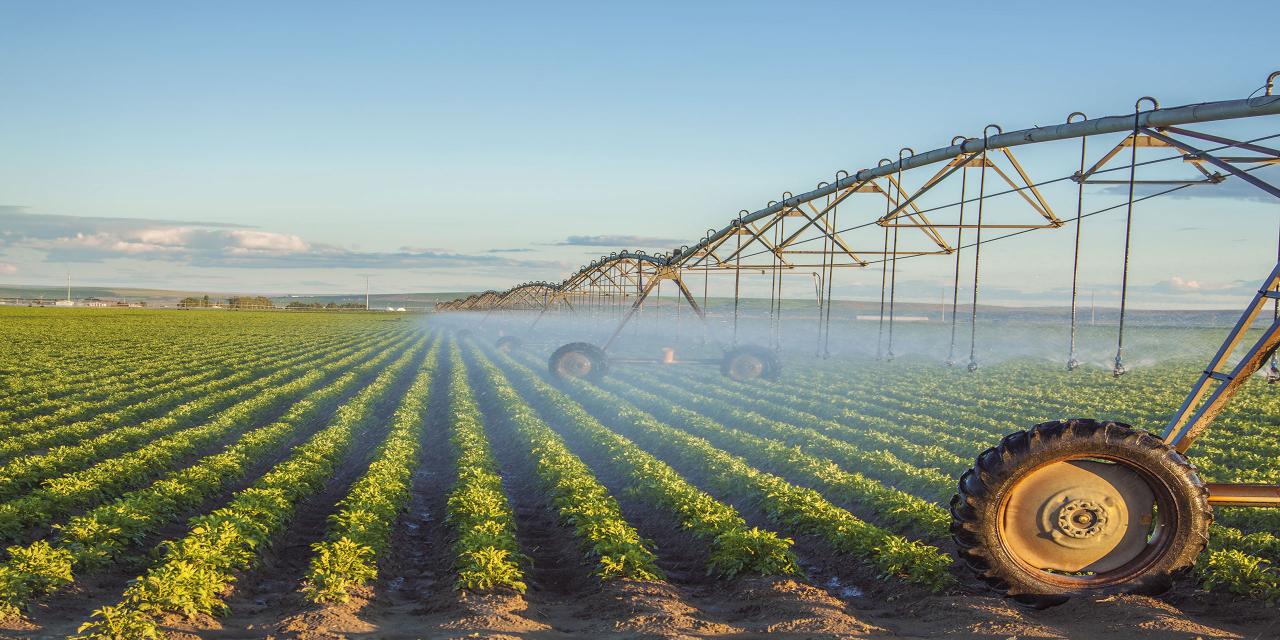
x=802, y=232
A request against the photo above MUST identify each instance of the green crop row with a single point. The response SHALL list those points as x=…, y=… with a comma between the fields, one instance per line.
x=96, y=539
x=45, y=349
x=61, y=355
x=801, y=509
x=23, y=473
x=165, y=373
x=902, y=511
x=735, y=547
x=359, y=533
x=193, y=573
x=581, y=501
x=118, y=390
x=487, y=556
x=828, y=439
x=905, y=439
x=1236, y=562
x=163, y=400
x=136, y=467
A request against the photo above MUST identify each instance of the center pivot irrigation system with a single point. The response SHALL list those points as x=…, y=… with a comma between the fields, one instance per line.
x=1065, y=507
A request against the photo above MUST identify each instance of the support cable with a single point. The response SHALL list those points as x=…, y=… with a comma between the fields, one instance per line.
x=893, y=290
x=828, y=256
x=777, y=248
x=737, y=276
x=977, y=253
x=955, y=281
x=884, y=274
x=706, y=277
x=830, y=276
x=883, y=271
x=1119, y=369
x=893, y=279
x=1072, y=361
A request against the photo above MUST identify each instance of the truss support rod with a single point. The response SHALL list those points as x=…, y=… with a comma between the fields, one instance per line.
x=635, y=306
x=693, y=304
x=1185, y=427
x=1223, y=141
x=1208, y=157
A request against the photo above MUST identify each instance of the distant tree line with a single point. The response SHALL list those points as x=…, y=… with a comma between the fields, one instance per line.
x=317, y=305
x=234, y=302
x=195, y=302
x=250, y=302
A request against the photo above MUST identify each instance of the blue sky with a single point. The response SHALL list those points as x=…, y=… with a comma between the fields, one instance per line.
x=299, y=147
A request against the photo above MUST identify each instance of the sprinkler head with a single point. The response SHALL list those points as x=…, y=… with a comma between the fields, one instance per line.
x=889, y=356
x=1072, y=363
x=1119, y=369
x=973, y=365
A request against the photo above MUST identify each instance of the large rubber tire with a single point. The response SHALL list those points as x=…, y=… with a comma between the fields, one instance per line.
x=579, y=360
x=507, y=344
x=750, y=362
x=1184, y=514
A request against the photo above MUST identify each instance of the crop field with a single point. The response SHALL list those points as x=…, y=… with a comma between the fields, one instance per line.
x=239, y=474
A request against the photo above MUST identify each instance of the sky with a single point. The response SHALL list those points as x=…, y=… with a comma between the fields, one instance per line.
x=300, y=147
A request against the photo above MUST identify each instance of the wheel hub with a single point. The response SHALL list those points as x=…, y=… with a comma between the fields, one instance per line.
x=746, y=367
x=1078, y=516
x=1082, y=519
x=574, y=364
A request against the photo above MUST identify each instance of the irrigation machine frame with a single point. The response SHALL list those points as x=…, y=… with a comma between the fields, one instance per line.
x=1069, y=507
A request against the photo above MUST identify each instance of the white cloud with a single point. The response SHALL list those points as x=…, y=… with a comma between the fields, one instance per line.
x=103, y=243
x=88, y=239
x=266, y=241
x=172, y=236
x=1178, y=284
x=8, y=269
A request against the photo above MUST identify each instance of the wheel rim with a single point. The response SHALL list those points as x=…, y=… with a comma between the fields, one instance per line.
x=746, y=367
x=574, y=364
x=1085, y=522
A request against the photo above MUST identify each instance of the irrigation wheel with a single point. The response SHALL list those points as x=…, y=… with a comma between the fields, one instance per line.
x=1080, y=506
x=579, y=360
x=749, y=363
x=507, y=344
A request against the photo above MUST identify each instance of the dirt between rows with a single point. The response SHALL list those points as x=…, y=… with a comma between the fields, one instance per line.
x=756, y=607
